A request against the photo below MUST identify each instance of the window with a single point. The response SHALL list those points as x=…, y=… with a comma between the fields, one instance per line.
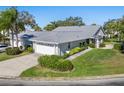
x=83, y=43
x=80, y=44
x=69, y=46
x=45, y=44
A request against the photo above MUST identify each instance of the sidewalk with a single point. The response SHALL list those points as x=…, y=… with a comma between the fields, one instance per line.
x=78, y=54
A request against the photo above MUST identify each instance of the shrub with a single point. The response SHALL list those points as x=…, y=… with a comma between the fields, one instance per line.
x=27, y=46
x=92, y=45
x=107, y=40
x=54, y=62
x=49, y=61
x=56, y=57
x=13, y=51
x=75, y=50
x=102, y=45
x=122, y=51
x=30, y=50
x=66, y=55
x=122, y=47
x=83, y=48
x=64, y=65
x=117, y=46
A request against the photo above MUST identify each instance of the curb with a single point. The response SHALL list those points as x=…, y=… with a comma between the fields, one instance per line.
x=8, y=77
x=64, y=78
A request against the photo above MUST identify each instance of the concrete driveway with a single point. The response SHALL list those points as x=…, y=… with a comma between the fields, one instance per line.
x=14, y=67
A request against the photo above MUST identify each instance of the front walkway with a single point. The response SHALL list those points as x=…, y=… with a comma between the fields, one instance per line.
x=78, y=54
x=109, y=46
x=14, y=67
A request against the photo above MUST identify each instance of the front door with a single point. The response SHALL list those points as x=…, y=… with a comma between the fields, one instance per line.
x=87, y=41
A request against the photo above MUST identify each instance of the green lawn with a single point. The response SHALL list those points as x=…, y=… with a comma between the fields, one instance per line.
x=96, y=62
x=4, y=56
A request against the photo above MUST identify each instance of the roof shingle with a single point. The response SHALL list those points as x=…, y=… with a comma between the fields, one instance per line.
x=64, y=34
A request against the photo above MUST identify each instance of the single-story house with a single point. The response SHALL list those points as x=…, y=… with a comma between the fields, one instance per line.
x=61, y=39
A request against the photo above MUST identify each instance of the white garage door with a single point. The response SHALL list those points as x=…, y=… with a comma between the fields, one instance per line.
x=44, y=49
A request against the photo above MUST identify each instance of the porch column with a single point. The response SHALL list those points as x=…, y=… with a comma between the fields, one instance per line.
x=57, y=50
x=91, y=41
x=97, y=43
x=101, y=40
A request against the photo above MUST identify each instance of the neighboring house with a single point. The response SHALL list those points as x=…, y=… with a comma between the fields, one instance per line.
x=61, y=39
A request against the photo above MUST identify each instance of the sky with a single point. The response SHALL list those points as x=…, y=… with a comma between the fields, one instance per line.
x=90, y=14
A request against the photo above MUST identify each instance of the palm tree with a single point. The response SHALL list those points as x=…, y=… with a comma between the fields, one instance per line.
x=14, y=21
x=7, y=22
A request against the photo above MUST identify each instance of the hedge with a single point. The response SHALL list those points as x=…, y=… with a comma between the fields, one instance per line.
x=30, y=50
x=66, y=55
x=64, y=65
x=117, y=46
x=13, y=51
x=55, y=62
x=76, y=50
x=92, y=45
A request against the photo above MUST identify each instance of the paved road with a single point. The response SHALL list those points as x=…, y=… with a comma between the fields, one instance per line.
x=14, y=67
x=100, y=82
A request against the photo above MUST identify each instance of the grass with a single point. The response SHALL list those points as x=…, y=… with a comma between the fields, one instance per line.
x=4, y=56
x=93, y=63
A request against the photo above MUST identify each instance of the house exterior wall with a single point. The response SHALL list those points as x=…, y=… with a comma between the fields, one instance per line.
x=22, y=42
x=101, y=33
x=64, y=47
x=100, y=36
x=15, y=45
x=60, y=49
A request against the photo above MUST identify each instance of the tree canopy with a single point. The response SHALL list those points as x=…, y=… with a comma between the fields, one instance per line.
x=70, y=21
x=115, y=27
x=37, y=28
x=14, y=21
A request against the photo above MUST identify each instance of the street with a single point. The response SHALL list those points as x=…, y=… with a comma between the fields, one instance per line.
x=94, y=82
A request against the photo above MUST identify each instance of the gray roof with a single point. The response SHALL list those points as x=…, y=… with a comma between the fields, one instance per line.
x=78, y=28
x=64, y=34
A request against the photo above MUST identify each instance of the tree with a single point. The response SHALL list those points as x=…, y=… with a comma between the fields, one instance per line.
x=94, y=24
x=115, y=27
x=7, y=21
x=111, y=27
x=71, y=21
x=14, y=21
x=23, y=19
x=37, y=28
x=2, y=38
x=50, y=27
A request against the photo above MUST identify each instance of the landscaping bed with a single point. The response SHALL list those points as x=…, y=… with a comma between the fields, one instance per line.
x=55, y=62
x=14, y=52
x=74, y=51
x=4, y=56
x=94, y=63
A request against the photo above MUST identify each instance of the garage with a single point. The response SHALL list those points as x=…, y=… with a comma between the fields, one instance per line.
x=44, y=48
